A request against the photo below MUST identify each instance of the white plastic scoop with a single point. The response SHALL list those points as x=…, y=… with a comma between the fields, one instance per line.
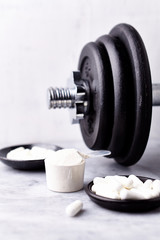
x=95, y=154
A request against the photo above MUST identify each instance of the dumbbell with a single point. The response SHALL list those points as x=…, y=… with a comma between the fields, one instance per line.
x=111, y=94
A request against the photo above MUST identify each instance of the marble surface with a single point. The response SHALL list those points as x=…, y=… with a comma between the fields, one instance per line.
x=28, y=210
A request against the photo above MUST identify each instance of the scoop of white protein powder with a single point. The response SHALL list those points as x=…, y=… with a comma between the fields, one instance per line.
x=65, y=170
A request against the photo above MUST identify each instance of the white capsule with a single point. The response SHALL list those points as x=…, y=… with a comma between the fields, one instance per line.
x=156, y=185
x=98, y=180
x=13, y=153
x=136, y=181
x=95, y=187
x=109, y=178
x=154, y=194
x=113, y=183
x=148, y=183
x=99, y=185
x=128, y=184
x=108, y=193
x=156, y=188
x=121, y=179
x=74, y=208
x=116, y=186
x=146, y=191
x=109, y=190
x=109, y=184
x=133, y=194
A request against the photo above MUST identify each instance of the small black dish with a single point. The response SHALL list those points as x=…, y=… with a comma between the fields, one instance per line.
x=37, y=164
x=124, y=205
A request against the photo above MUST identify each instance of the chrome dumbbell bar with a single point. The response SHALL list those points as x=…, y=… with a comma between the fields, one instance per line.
x=69, y=98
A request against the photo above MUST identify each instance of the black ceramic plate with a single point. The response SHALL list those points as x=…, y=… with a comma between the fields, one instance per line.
x=25, y=164
x=124, y=205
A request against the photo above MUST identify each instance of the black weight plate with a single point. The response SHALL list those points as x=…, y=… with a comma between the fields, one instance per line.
x=96, y=127
x=142, y=88
x=119, y=76
x=124, y=205
x=37, y=164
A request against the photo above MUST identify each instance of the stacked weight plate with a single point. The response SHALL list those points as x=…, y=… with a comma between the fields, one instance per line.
x=117, y=69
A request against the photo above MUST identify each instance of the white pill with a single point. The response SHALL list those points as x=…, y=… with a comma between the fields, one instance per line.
x=38, y=152
x=116, y=186
x=97, y=180
x=156, y=185
x=156, y=188
x=108, y=190
x=12, y=154
x=93, y=188
x=155, y=193
x=22, y=153
x=146, y=191
x=128, y=184
x=133, y=194
x=136, y=181
x=148, y=183
x=109, y=178
x=108, y=193
x=109, y=184
x=99, y=185
x=113, y=183
x=74, y=208
x=121, y=179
